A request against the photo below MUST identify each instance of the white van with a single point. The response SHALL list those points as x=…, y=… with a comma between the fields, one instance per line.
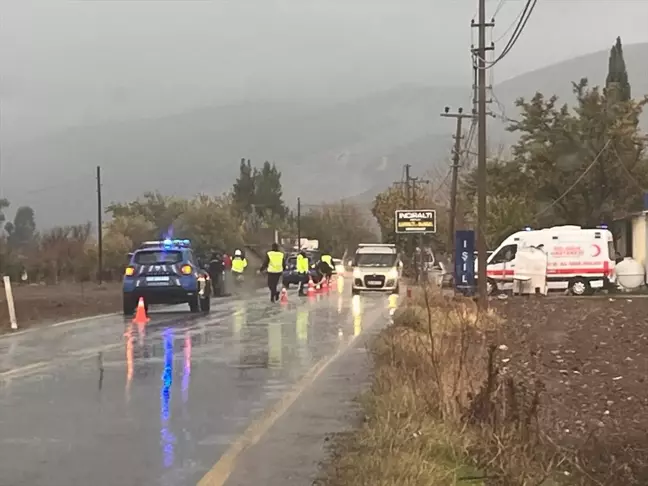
x=579, y=259
x=376, y=267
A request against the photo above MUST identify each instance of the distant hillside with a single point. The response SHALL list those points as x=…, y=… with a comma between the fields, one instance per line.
x=347, y=149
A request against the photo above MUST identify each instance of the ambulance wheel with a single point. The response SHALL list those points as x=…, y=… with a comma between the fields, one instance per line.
x=491, y=287
x=580, y=286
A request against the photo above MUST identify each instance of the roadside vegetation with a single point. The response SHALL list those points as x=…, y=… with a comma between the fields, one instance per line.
x=245, y=215
x=534, y=392
x=439, y=410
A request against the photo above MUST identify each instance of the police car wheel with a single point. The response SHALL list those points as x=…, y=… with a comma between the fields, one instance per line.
x=205, y=304
x=129, y=306
x=194, y=304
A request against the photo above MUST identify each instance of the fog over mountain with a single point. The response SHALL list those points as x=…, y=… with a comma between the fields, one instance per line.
x=340, y=94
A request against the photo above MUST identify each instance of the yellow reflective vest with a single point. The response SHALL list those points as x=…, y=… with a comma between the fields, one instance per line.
x=275, y=262
x=302, y=264
x=328, y=259
x=239, y=264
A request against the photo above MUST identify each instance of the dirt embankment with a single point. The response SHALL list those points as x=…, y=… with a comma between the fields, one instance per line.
x=591, y=356
x=545, y=391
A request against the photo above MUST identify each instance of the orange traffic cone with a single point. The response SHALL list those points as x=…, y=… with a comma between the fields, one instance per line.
x=284, y=296
x=140, y=315
x=311, y=287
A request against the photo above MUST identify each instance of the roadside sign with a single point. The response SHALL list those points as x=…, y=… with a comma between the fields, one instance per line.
x=464, y=277
x=415, y=221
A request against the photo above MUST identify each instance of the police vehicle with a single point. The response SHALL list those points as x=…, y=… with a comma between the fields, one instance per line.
x=166, y=272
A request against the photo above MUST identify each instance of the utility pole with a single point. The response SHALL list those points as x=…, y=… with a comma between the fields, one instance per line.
x=410, y=197
x=481, y=158
x=408, y=188
x=99, y=229
x=459, y=116
x=298, y=223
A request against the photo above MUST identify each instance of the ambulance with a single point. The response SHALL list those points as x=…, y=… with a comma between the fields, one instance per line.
x=578, y=259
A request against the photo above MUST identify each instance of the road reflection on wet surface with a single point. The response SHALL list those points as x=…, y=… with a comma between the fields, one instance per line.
x=115, y=403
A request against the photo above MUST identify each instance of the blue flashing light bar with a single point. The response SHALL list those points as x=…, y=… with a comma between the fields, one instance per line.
x=602, y=226
x=527, y=228
x=167, y=244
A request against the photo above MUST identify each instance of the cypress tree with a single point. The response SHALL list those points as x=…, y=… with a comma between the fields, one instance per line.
x=617, y=73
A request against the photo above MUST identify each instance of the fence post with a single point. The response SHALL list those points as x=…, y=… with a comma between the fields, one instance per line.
x=10, y=302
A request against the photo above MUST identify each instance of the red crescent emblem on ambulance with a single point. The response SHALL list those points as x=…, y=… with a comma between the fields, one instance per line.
x=596, y=250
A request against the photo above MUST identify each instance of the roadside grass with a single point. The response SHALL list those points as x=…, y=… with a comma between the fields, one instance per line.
x=441, y=409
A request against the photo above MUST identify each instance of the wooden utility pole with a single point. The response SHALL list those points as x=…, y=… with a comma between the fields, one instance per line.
x=99, y=229
x=459, y=116
x=481, y=158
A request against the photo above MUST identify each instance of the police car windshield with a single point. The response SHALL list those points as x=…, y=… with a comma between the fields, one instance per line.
x=375, y=260
x=158, y=257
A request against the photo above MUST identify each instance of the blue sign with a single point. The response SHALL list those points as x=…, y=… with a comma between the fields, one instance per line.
x=464, y=275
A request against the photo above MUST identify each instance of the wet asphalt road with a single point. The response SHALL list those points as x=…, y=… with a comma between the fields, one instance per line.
x=107, y=402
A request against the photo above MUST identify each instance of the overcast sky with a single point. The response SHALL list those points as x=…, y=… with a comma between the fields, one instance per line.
x=66, y=62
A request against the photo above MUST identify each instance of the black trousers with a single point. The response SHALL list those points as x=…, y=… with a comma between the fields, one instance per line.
x=273, y=283
x=303, y=280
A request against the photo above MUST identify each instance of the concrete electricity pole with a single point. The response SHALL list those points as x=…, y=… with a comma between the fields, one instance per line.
x=481, y=159
x=459, y=116
x=99, y=229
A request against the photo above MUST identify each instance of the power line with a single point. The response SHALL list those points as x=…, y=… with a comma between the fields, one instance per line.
x=519, y=28
x=580, y=178
x=626, y=171
x=508, y=29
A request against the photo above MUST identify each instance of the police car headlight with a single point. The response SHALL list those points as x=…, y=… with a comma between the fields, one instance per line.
x=129, y=272
x=357, y=273
x=392, y=274
x=186, y=269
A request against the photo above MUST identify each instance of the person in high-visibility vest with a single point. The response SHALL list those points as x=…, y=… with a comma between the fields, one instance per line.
x=239, y=263
x=274, y=265
x=302, y=271
x=328, y=265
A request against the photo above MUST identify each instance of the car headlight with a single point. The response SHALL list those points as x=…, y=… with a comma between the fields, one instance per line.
x=357, y=273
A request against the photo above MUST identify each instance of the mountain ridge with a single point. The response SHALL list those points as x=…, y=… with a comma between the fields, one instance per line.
x=350, y=148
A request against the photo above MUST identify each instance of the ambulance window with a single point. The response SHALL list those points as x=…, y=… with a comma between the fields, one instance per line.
x=611, y=250
x=505, y=255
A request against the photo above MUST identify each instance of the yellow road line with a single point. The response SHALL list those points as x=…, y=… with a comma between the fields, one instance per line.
x=221, y=471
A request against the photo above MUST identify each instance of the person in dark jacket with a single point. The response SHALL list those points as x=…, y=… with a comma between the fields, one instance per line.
x=274, y=264
x=216, y=269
